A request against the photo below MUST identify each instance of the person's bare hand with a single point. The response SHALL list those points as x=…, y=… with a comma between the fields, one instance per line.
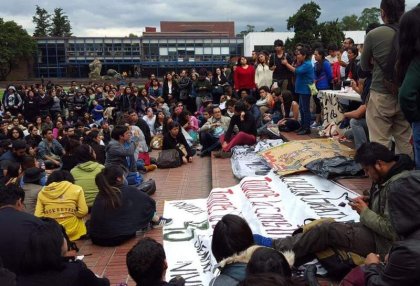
x=358, y=204
x=372, y=258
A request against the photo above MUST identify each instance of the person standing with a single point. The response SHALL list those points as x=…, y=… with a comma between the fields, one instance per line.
x=281, y=74
x=408, y=72
x=304, y=77
x=383, y=114
x=244, y=76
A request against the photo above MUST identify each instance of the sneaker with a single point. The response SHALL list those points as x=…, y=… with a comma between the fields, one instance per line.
x=315, y=124
x=150, y=167
x=162, y=222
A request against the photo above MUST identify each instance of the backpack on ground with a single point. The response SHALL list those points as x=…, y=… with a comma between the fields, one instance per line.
x=169, y=159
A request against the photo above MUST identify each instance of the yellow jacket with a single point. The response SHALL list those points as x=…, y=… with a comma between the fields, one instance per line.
x=64, y=202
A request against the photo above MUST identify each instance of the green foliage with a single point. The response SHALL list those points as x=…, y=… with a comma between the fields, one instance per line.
x=249, y=29
x=330, y=33
x=354, y=23
x=16, y=44
x=42, y=21
x=268, y=29
x=369, y=16
x=304, y=23
x=60, y=24
x=131, y=35
x=350, y=23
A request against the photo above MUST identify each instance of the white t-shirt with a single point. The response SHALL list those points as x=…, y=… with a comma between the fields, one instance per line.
x=344, y=58
x=151, y=123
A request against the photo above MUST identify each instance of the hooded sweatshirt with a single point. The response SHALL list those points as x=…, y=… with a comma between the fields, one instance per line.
x=84, y=176
x=64, y=202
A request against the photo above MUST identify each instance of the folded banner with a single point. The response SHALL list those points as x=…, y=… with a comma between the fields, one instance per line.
x=291, y=157
x=247, y=163
x=272, y=206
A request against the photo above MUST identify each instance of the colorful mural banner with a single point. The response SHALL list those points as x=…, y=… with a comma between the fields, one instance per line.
x=291, y=157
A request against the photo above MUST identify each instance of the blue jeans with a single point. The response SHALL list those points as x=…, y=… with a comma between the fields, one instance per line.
x=360, y=130
x=304, y=109
x=416, y=140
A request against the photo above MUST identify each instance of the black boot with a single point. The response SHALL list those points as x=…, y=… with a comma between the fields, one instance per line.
x=310, y=275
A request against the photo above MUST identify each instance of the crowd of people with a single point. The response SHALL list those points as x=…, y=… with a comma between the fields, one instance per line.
x=78, y=152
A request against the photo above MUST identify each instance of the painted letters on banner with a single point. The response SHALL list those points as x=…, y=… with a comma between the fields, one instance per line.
x=272, y=206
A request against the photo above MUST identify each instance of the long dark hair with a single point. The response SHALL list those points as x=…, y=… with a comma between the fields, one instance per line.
x=409, y=41
x=319, y=66
x=107, y=182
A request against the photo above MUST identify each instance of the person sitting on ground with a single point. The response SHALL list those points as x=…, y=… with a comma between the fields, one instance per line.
x=266, y=279
x=32, y=185
x=94, y=140
x=146, y=263
x=290, y=121
x=16, y=226
x=190, y=124
x=15, y=154
x=69, y=159
x=374, y=232
x=44, y=262
x=230, y=108
x=65, y=202
x=84, y=173
x=50, y=150
x=250, y=103
x=174, y=139
x=211, y=131
x=232, y=237
x=266, y=101
x=120, y=151
x=119, y=210
x=402, y=266
x=266, y=260
x=13, y=174
x=246, y=125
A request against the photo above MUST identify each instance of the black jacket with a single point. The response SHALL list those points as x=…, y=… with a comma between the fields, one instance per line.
x=171, y=143
x=73, y=274
x=403, y=267
x=248, y=125
x=15, y=227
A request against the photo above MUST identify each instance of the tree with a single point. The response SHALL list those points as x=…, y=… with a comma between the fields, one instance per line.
x=330, y=33
x=268, y=29
x=42, y=21
x=369, y=16
x=249, y=29
x=60, y=26
x=304, y=23
x=16, y=44
x=131, y=35
x=350, y=23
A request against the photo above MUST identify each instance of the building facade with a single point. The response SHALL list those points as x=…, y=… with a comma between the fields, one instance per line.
x=184, y=45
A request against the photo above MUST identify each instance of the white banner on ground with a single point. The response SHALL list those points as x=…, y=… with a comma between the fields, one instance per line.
x=272, y=206
x=246, y=162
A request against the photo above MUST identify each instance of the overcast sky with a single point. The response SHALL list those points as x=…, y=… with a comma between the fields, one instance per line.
x=121, y=17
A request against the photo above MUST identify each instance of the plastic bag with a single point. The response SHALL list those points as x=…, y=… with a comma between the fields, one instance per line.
x=339, y=166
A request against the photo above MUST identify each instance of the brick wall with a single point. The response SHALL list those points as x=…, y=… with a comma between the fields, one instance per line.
x=227, y=27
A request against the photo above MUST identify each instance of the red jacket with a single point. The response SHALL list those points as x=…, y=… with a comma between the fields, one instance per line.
x=244, y=78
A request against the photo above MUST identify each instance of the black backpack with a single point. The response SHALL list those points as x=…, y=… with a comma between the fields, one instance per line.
x=390, y=78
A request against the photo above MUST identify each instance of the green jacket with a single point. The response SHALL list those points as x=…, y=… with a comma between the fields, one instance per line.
x=409, y=94
x=376, y=217
x=84, y=175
